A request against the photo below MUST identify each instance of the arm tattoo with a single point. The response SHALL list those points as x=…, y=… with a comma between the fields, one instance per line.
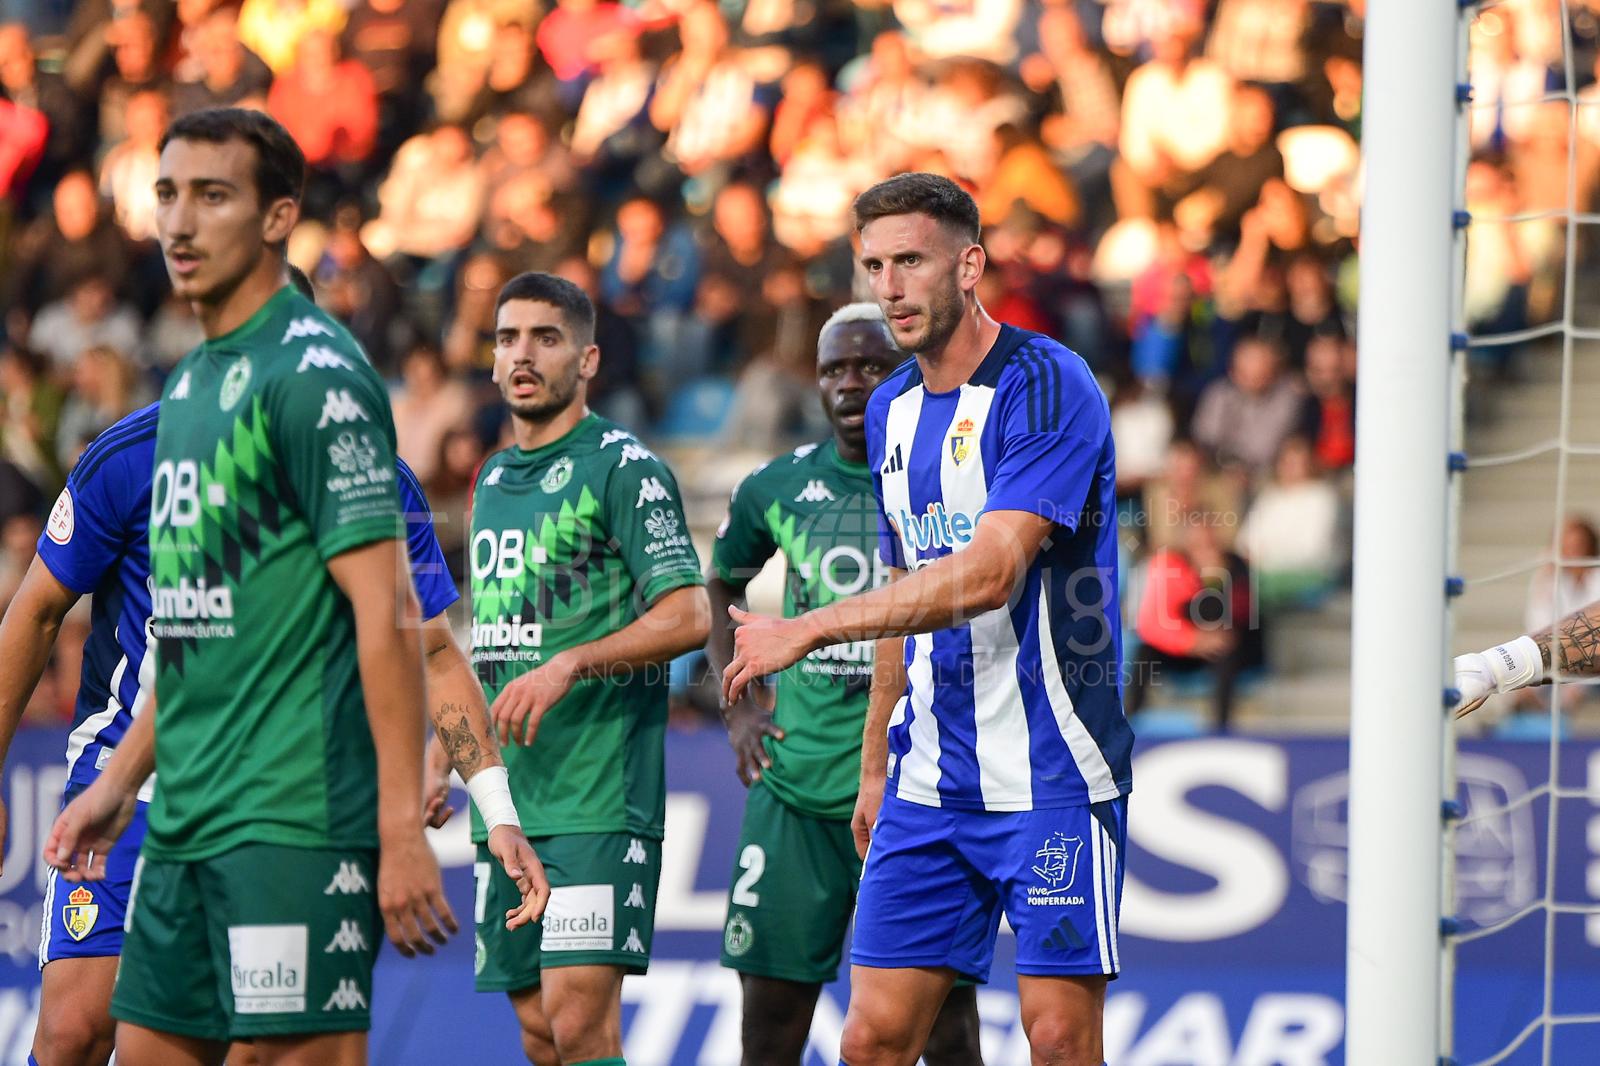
x=459, y=742
x=1577, y=642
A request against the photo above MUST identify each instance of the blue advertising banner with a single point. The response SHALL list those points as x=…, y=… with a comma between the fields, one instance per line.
x=1232, y=935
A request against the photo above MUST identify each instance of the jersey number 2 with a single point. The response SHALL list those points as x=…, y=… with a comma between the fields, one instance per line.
x=753, y=861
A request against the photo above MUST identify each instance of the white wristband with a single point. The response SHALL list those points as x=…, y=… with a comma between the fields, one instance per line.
x=1515, y=664
x=490, y=789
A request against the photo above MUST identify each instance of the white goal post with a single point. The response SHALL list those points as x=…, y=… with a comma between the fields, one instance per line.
x=1399, y=635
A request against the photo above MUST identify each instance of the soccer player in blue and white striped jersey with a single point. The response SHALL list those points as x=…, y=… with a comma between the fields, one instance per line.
x=996, y=758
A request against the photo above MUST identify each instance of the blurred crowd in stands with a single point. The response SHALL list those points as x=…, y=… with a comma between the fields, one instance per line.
x=1170, y=187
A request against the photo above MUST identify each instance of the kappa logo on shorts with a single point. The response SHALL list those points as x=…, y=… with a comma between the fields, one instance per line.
x=738, y=936
x=348, y=938
x=80, y=913
x=347, y=881
x=480, y=954
x=1058, y=868
x=633, y=943
x=346, y=997
x=636, y=853
x=635, y=896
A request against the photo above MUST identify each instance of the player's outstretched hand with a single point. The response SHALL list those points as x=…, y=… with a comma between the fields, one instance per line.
x=518, y=859
x=868, y=800
x=436, y=809
x=522, y=704
x=1474, y=680
x=410, y=893
x=762, y=645
x=84, y=832
x=748, y=727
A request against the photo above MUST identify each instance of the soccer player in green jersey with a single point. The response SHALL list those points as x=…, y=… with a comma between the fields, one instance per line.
x=798, y=865
x=286, y=723
x=584, y=586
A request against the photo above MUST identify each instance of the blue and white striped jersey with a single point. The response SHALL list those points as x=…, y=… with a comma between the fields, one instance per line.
x=1020, y=708
x=95, y=543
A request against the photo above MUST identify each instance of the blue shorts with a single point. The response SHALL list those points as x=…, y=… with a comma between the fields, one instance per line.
x=84, y=921
x=936, y=881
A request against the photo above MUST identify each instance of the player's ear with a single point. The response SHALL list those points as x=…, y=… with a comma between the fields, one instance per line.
x=589, y=362
x=971, y=265
x=281, y=217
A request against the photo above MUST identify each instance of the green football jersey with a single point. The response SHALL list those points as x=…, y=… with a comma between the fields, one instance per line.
x=274, y=453
x=818, y=510
x=570, y=543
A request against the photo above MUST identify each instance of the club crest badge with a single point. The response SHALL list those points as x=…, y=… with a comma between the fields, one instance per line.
x=80, y=913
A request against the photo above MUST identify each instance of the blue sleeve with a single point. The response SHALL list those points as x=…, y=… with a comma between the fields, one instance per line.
x=429, y=573
x=94, y=520
x=1054, y=424
x=888, y=540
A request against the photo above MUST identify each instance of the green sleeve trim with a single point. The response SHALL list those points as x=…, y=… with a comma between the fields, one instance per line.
x=680, y=579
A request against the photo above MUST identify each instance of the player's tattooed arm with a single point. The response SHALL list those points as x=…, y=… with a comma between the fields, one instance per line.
x=456, y=734
x=460, y=715
x=1572, y=649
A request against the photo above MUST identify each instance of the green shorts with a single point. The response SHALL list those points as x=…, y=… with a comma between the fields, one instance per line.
x=262, y=940
x=602, y=910
x=792, y=894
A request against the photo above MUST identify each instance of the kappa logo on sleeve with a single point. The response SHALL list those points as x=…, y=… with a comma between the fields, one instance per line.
x=301, y=328
x=317, y=357
x=650, y=491
x=634, y=453
x=339, y=407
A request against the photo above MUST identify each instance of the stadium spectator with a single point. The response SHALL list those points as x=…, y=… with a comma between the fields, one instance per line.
x=1189, y=491
x=1555, y=591
x=88, y=316
x=128, y=172
x=54, y=251
x=273, y=29
x=1196, y=616
x=1330, y=420
x=985, y=29
x=231, y=74
x=1290, y=534
x=1245, y=417
x=1175, y=113
x=30, y=412
x=427, y=405
x=30, y=91
x=1228, y=186
x=432, y=200
x=652, y=276
x=1078, y=105
x=706, y=101
x=1260, y=41
x=105, y=386
x=328, y=104
x=612, y=135
x=615, y=391
x=135, y=70
x=359, y=291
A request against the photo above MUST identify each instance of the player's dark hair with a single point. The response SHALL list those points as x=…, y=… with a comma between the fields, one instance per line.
x=573, y=303
x=280, y=165
x=920, y=194
x=298, y=278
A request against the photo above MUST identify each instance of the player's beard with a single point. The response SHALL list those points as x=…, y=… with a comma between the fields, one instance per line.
x=944, y=317
x=559, y=393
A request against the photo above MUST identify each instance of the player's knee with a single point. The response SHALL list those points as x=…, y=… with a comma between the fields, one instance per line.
x=870, y=1041
x=582, y=1032
x=1059, y=1041
x=71, y=1036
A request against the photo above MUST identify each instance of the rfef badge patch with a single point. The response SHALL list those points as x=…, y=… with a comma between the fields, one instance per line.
x=80, y=913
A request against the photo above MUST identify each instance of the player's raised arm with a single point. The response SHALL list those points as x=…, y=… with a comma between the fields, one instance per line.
x=1568, y=651
x=944, y=593
x=462, y=732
